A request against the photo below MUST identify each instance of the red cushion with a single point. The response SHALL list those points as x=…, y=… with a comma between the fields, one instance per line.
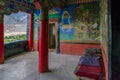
x=89, y=75
x=95, y=69
x=89, y=71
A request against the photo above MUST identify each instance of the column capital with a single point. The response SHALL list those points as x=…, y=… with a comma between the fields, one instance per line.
x=44, y=13
x=1, y=18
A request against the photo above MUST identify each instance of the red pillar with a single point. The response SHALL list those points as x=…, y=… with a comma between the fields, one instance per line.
x=1, y=39
x=43, y=41
x=30, y=38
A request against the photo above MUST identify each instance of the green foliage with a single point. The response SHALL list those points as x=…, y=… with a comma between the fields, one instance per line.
x=8, y=39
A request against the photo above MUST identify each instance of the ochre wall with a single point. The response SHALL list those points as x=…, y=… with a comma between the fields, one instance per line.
x=104, y=30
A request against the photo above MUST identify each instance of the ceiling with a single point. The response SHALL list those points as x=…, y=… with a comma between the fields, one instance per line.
x=29, y=5
x=49, y=3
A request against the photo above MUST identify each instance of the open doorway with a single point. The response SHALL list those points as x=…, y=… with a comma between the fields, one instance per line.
x=16, y=27
x=52, y=37
x=16, y=33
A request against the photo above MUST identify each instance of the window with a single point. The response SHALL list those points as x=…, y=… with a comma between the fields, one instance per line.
x=15, y=27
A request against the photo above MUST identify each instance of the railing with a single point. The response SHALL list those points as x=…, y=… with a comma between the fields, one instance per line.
x=14, y=48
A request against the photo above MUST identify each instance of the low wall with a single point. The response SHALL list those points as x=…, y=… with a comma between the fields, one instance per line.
x=76, y=48
x=14, y=48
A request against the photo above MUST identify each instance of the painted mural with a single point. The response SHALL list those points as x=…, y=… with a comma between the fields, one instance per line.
x=66, y=24
x=80, y=22
x=66, y=20
x=86, y=22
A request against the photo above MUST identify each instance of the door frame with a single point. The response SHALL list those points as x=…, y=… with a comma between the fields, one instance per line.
x=56, y=35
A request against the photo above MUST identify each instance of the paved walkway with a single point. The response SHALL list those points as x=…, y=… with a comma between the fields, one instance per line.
x=25, y=67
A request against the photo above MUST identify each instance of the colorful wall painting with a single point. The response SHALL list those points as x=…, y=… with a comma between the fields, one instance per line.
x=67, y=26
x=80, y=22
x=53, y=14
x=66, y=23
x=66, y=20
x=86, y=22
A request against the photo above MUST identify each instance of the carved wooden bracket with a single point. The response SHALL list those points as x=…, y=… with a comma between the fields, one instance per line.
x=1, y=19
x=44, y=14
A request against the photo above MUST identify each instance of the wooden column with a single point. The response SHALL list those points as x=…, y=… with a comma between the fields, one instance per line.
x=1, y=39
x=43, y=41
x=30, y=38
x=58, y=40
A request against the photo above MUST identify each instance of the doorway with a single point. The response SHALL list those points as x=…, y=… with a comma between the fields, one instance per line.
x=52, y=37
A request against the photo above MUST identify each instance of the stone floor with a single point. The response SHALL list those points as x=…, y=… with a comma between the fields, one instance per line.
x=25, y=67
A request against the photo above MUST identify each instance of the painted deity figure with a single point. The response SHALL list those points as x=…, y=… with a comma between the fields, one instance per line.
x=66, y=18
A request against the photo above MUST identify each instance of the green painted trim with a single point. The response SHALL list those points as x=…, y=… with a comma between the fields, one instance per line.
x=54, y=15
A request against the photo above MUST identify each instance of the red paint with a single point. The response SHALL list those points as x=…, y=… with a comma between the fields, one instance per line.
x=54, y=19
x=37, y=5
x=1, y=43
x=35, y=0
x=105, y=63
x=30, y=38
x=93, y=72
x=76, y=49
x=43, y=47
x=35, y=46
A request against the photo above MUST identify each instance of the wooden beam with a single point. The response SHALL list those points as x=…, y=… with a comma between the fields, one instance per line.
x=81, y=1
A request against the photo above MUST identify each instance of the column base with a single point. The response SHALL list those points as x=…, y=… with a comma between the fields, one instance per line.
x=44, y=71
x=1, y=62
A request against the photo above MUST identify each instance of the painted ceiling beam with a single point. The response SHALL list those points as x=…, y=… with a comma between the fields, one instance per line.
x=61, y=3
x=80, y=1
x=52, y=3
x=8, y=6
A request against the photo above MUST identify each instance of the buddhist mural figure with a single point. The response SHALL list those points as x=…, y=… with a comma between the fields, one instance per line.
x=66, y=20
